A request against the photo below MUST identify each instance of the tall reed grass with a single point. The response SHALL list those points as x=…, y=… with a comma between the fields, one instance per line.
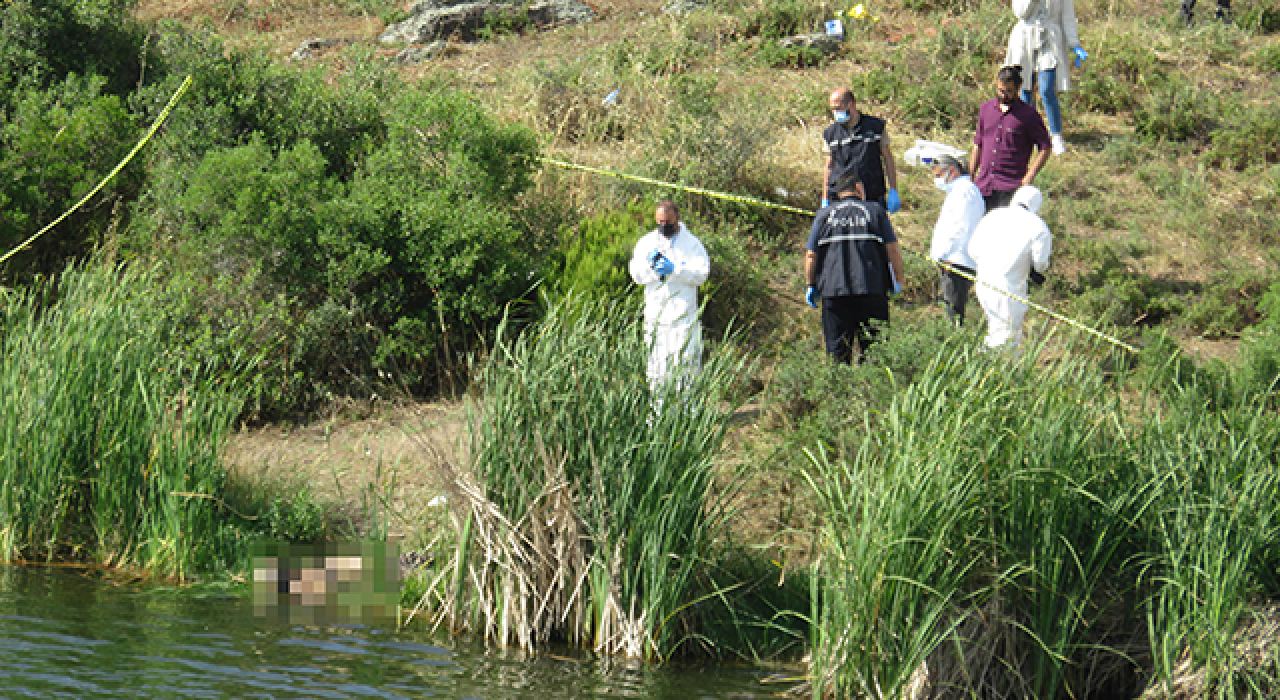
x=108, y=448
x=1038, y=529
x=586, y=515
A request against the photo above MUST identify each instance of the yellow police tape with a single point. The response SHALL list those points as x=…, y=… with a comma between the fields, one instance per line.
x=805, y=212
x=164, y=114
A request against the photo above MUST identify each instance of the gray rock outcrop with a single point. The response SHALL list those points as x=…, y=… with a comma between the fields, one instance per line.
x=313, y=47
x=822, y=42
x=418, y=54
x=430, y=20
x=680, y=8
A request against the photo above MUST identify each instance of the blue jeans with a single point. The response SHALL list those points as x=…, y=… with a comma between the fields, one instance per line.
x=1046, y=80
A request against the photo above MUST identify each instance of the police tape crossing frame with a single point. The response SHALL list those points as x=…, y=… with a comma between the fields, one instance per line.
x=805, y=212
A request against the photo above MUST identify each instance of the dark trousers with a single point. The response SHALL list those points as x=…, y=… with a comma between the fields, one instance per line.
x=997, y=199
x=1189, y=6
x=846, y=320
x=954, y=291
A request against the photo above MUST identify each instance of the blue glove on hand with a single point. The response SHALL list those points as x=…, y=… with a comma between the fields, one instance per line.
x=653, y=256
x=1081, y=55
x=811, y=296
x=663, y=266
x=897, y=289
x=895, y=202
x=825, y=202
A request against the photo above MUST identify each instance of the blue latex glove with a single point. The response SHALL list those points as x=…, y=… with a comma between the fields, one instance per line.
x=825, y=202
x=897, y=289
x=1081, y=55
x=811, y=297
x=895, y=202
x=652, y=256
x=663, y=266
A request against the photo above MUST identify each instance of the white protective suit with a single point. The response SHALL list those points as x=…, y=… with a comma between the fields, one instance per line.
x=961, y=211
x=1042, y=38
x=671, y=307
x=1005, y=246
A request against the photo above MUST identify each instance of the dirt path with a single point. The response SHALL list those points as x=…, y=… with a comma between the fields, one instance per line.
x=360, y=461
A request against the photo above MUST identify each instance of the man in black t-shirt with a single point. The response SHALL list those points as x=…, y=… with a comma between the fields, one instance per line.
x=857, y=142
x=852, y=263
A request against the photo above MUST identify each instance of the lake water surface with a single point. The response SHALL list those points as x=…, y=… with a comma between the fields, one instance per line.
x=79, y=634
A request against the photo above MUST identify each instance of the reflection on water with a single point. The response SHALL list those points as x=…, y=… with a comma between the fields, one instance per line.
x=71, y=633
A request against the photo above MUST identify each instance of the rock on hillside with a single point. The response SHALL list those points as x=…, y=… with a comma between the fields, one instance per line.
x=430, y=20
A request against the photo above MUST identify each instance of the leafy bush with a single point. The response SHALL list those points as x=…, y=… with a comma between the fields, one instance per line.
x=1260, y=16
x=1260, y=347
x=44, y=41
x=1109, y=82
x=737, y=292
x=1267, y=58
x=1250, y=138
x=56, y=146
x=776, y=56
x=394, y=270
x=596, y=252
x=1176, y=112
x=776, y=20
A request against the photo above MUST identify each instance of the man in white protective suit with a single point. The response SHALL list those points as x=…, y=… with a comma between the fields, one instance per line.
x=1042, y=42
x=671, y=264
x=961, y=211
x=1009, y=246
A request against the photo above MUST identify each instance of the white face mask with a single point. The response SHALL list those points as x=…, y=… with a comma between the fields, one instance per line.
x=942, y=184
x=840, y=115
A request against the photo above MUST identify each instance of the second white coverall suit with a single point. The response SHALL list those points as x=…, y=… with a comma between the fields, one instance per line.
x=671, y=322
x=1005, y=246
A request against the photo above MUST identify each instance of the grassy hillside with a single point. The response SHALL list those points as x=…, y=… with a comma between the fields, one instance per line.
x=1164, y=208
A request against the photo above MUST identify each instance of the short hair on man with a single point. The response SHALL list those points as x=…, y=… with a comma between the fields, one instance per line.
x=848, y=182
x=950, y=161
x=670, y=206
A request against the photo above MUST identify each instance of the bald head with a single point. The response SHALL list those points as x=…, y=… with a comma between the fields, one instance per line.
x=841, y=98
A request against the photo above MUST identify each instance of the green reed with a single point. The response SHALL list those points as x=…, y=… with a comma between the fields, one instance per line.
x=590, y=503
x=1021, y=528
x=109, y=448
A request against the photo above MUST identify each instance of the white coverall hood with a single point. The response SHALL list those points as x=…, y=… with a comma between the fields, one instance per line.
x=671, y=305
x=961, y=211
x=1005, y=246
x=1028, y=196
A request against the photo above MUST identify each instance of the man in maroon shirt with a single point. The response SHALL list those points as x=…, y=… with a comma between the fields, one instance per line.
x=1007, y=129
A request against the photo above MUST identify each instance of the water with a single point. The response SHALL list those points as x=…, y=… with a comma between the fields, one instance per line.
x=84, y=634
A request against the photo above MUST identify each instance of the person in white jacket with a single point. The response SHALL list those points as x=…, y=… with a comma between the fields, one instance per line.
x=1007, y=246
x=1042, y=42
x=671, y=263
x=961, y=211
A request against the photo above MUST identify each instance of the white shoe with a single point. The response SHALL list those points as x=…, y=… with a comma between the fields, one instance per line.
x=1059, y=146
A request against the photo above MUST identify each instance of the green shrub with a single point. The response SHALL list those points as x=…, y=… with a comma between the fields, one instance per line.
x=42, y=42
x=596, y=253
x=776, y=20
x=56, y=146
x=503, y=22
x=1110, y=81
x=774, y=55
x=1250, y=138
x=398, y=269
x=737, y=293
x=1260, y=347
x=1258, y=16
x=1176, y=112
x=1267, y=58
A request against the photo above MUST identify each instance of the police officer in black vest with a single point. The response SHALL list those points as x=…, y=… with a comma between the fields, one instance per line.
x=852, y=262
x=856, y=142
